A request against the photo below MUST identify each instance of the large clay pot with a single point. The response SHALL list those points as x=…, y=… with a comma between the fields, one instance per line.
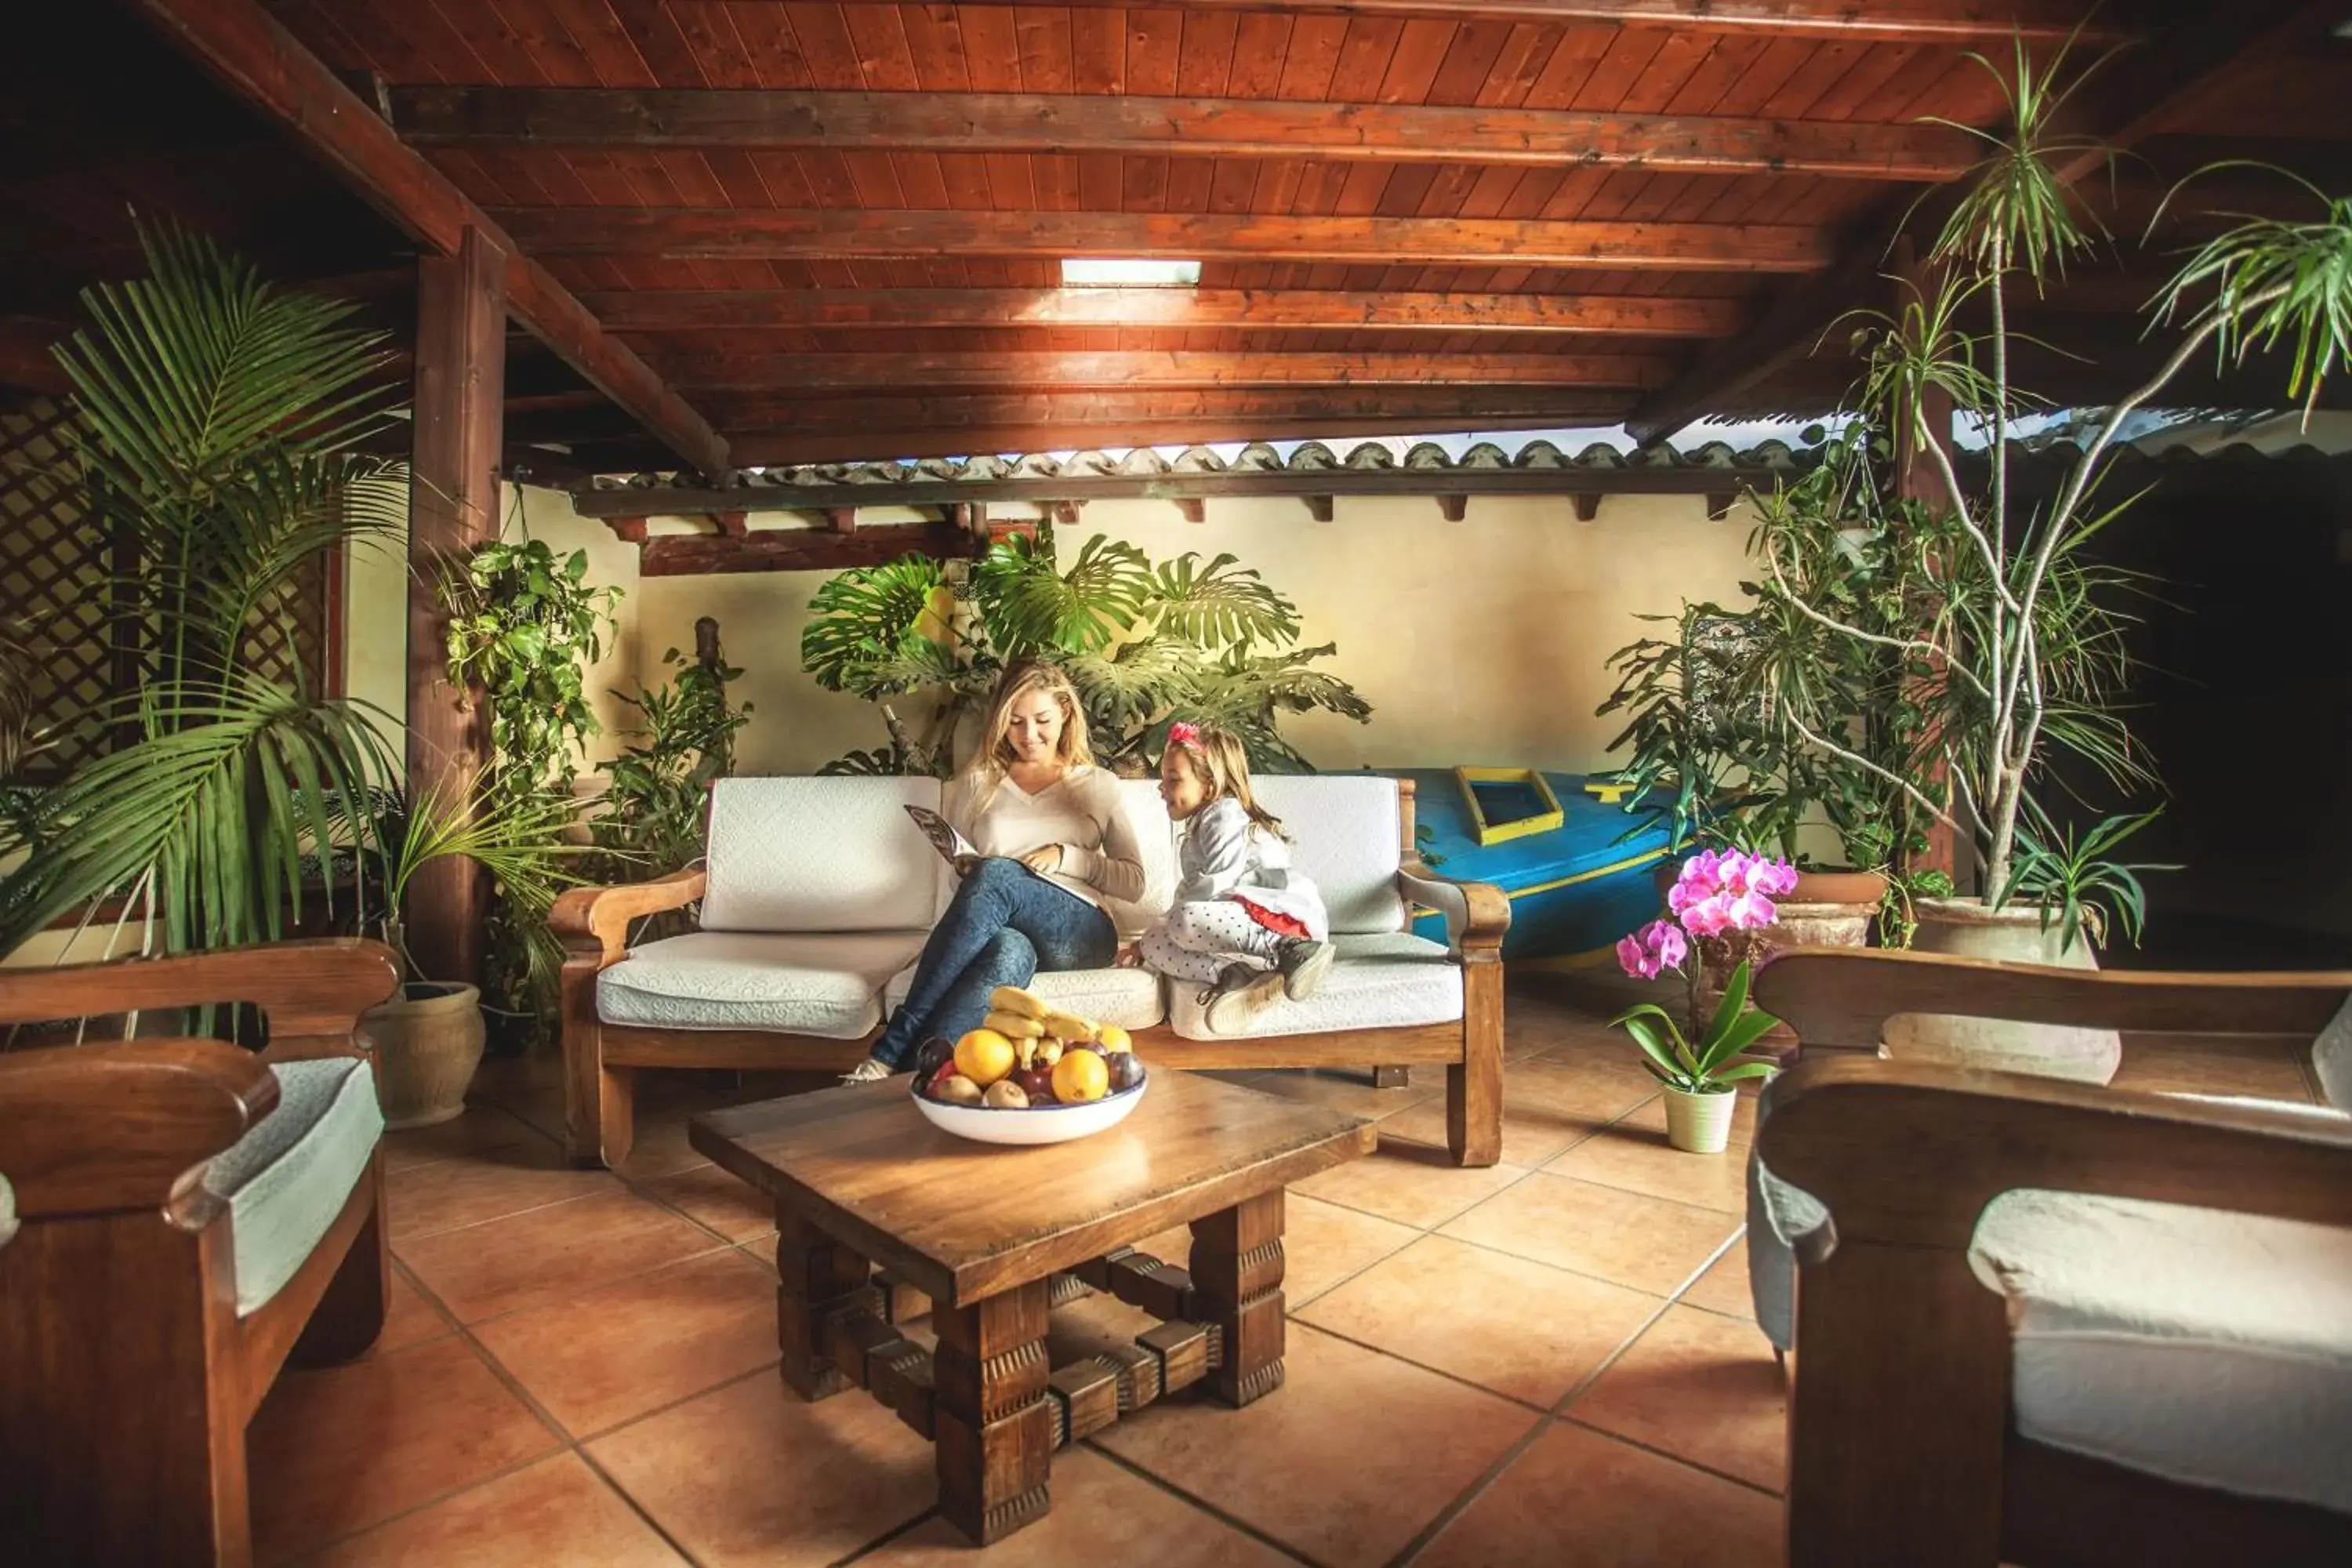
x=427, y=1046
x=1964, y=928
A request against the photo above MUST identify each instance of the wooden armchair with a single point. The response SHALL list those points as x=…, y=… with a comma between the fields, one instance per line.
x=2144, y=1384
x=190, y=1215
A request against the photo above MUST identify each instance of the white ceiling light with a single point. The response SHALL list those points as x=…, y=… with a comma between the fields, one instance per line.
x=1129, y=273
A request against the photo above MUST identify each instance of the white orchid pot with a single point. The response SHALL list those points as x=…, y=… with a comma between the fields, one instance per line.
x=1964, y=928
x=1699, y=1123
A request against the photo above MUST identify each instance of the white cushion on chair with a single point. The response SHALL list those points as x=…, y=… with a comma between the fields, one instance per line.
x=1128, y=997
x=1377, y=982
x=822, y=985
x=1343, y=832
x=819, y=855
x=288, y=1177
x=2210, y=1349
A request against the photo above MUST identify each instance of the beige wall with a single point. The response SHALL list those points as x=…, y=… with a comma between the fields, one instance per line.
x=1477, y=641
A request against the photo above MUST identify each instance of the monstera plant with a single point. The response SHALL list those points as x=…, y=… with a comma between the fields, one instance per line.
x=1145, y=645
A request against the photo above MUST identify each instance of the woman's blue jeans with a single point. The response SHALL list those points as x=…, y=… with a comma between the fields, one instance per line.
x=1005, y=924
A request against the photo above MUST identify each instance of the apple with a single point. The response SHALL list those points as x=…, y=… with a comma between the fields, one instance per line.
x=1037, y=1083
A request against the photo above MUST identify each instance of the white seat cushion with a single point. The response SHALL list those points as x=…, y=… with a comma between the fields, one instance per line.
x=292, y=1173
x=1128, y=997
x=819, y=855
x=827, y=986
x=1378, y=982
x=2210, y=1349
x=1343, y=833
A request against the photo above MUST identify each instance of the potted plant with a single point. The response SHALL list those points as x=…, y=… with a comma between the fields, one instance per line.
x=1721, y=904
x=2026, y=652
x=429, y=1042
x=1144, y=645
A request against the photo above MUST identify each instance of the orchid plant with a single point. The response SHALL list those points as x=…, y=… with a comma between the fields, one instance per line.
x=1718, y=895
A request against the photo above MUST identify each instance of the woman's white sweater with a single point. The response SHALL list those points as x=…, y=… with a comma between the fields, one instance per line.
x=1081, y=811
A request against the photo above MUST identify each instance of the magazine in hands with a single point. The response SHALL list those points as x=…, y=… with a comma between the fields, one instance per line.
x=953, y=847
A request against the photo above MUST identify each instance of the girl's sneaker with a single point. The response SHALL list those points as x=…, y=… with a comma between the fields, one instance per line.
x=1302, y=962
x=1239, y=995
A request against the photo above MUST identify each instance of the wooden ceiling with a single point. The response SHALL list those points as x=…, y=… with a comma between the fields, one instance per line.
x=836, y=230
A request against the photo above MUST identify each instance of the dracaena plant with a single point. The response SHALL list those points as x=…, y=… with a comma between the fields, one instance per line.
x=2026, y=652
x=1144, y=644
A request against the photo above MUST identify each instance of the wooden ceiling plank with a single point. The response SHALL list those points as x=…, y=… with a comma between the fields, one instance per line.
x=2142, y=93
x=689, y=233
x=1197, y=126
x=263, y=64
x=733, y=309
x=754, y=370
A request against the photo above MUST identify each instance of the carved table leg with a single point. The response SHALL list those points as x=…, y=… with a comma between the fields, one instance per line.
x=995, y=1426
x=1237, y=1285
x=817, y=1279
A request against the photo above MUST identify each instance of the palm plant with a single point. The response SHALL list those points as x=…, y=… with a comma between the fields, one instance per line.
x=219, y=425
x=2027, y=649
x=513, y=832
x=1144, y=645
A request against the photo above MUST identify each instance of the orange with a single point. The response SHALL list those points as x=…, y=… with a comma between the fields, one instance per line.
x=983, y=1056
x=1080, y=1075
x=1113, y=1038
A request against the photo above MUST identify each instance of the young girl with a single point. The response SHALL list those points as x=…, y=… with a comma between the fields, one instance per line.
x=1242, y=922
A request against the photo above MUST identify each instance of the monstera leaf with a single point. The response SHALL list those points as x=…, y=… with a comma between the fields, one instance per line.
x=1030, y=608
x=1123, y=689
x=864, y=634
x=1222, y=602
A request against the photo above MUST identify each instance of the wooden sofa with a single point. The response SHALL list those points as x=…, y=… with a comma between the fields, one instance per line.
x=2003, y=1352
x=1377, y=882
x=138, y=1327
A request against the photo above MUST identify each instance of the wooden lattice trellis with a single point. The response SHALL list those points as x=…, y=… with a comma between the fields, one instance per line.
x=59, y=576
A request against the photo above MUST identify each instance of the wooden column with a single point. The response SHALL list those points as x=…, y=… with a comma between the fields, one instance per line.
x=1918, y=477
x=453, y=506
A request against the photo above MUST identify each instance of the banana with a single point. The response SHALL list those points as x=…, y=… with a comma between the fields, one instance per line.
x=1069, y=1025
x=1019, y=1003
x=1014, y=1027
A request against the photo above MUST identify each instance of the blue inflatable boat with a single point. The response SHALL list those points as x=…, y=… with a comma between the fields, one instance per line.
x=1574, y=889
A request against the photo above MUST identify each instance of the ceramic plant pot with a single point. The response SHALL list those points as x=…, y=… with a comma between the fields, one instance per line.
x=1966, y=929
x=1699, y=1123
x=427, y=1046
x=1828, y=908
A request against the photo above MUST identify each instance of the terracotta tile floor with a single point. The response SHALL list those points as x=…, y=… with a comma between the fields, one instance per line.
x=1548, y=1362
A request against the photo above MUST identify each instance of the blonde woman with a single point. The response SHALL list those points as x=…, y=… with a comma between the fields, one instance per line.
x=1243, y=924
x=1053, y=843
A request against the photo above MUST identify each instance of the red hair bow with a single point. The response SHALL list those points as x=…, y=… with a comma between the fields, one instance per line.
x=1182, y=734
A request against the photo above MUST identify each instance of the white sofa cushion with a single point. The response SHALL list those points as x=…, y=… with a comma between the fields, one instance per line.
x=825, y=985
x=819, y=855
x=2206, y=1347
x=1343, y=831
x=1380, y=981
x=1128, y=997
x=288, y=1177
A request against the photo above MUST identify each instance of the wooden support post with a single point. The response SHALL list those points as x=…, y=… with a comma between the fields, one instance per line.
x=1319, y=508
x=1237, y=1285
x=1587, y=505
x=995, y=1426
x=730, y=523
x=841, y=519
x=1453, y=507
x=1192, y=508
x=453, y=506
x=627, y=529
x=1719, y=505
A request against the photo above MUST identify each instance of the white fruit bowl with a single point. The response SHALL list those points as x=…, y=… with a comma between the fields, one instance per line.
x=1035, y=1124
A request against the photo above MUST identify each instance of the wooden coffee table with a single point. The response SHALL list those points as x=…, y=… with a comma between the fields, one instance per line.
x=995, y=1236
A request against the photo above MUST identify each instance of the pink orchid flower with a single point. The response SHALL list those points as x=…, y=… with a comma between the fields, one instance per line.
x=1657, y=946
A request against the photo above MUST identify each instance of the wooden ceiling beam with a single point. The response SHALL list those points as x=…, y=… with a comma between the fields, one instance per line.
x=1878, y=21
x=828, y=372
x=2135, y=95
x=781, y=234
x=513, y=118
x=914, y=409
x=753, y=310
x=244, y=46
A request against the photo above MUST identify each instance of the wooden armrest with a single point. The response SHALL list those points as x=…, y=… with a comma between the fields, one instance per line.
x=1844, y=996
x=1911, y=1154
x=594, y=921
x=312, y=990
x=97, y=1128
x=1476, y=913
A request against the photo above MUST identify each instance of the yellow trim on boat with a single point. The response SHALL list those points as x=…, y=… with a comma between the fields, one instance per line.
x=1598, y=871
